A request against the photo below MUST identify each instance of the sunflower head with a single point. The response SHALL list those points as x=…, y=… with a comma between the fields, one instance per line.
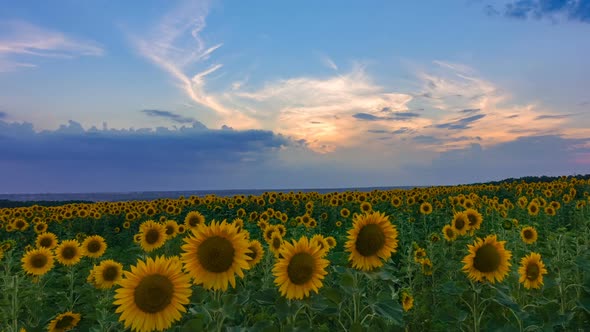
x=215, y=254
x=153, y=294
x=107, y=273
x=372, y=238
x=426, y=208
x=46, y=240
x=300, y=269
x=69, y=252
x=256, y=253
x=38, y=261
x=487, y=260
x=531, y=271
x=460, y=223
x=94, y=246
x=153, y=235
x=474, y=217
x=64, y=322
x=194, y=219
x=449, y=233
x=528, y=235
x=407, y=301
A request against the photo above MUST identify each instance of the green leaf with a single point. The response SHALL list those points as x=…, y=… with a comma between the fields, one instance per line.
x=332, y=294
x=265, y=297
x=390, y=309
x=194, y=324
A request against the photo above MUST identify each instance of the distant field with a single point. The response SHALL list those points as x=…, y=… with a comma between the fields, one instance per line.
x=512, y=256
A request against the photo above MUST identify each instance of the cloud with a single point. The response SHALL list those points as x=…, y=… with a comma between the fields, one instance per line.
x=574, y=10
x=21, y=42
x=3, y=115
x=461, y=123
x=72, y=158
x=328, y=62
x=172, y=117
x=554, y=116
x=175, y=45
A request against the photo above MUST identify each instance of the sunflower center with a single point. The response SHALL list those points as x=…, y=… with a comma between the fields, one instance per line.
x=193, y=221
x=69, y=252
x=532, y=271
x=253, y=254
x=487, y=259
x=301, y=268
x=20, y=224
x=216, y=254
x=472, y=219
x=459, y=223
x=528, y=234
x=154, y=293
x=39, y=260
x=94, y=246
x=152, y=236
x=64, y=322
x=276, y=242
x=46, y=242
x=370, y=240
x=110, y=273
x=450, y=232
x=169, y=230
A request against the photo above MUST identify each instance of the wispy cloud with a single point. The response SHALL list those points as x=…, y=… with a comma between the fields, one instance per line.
x=21, y=42
x=177, y=118
x=328, y=62
x=176, y=45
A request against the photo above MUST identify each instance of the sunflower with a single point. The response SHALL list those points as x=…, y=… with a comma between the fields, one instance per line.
x=475, y=218
x=171, y=229
x=300, y=270
x=94, y=246
x=194, y=219
x=37, y=261
x=345, y=213
x=239, y=222
x=460, y=223
x=69, y=252
x=426, y=264
x=407, y=301
x=153, y=235
x=366, y=207
x=396, y=201
x=449, y=233
x=550, y=210
x=215, y=254
x=331, y=241
x=256, y=253
x=275, y=244
x=372, y=238
x=426, y=208
x=282, y=229
x=531, y=271
x=46, y=240
x=487, y=259
x=533, y=208
x=64, y=322
x=528, y=235
x=107, y=273
x=153, y=294
x=419, y=255
x=268, y=232
x=320, y=241
x=40, y=227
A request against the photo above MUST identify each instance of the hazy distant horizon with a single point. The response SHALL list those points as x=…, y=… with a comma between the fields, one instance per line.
x=149, y=195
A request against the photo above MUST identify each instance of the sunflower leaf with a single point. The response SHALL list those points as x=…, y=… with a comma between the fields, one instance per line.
x=390, y=309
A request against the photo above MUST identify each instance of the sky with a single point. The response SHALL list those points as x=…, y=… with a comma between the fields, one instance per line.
x=105, y=96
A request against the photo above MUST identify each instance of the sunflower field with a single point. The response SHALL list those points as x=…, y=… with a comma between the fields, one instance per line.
x=506, y=257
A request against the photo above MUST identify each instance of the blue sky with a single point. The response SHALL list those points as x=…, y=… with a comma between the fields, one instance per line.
x=181, y=95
